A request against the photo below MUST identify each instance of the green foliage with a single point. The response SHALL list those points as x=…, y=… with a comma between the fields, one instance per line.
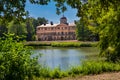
x=24, y=30
x=75, y=71
x=73, y=44
x=31, y=25
x=45, y=72
x=30, y=29
x=3, y=29
x=56, y=73
x=103, y=17
x=62, y=44
x=106, y=15
x=94, y=67
x=16, y=61
x=102, y=13
x=38, y=21
x=41, y=21
x=83, y=33
x=19, y=29
x=109, y=35
x=88, y=67
x=11, y=8
x=65, y=44
x=37, y=44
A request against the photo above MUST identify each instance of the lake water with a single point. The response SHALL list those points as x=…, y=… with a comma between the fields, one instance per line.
x=65, y=57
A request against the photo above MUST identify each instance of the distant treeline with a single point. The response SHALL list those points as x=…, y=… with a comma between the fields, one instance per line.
x=24, y=30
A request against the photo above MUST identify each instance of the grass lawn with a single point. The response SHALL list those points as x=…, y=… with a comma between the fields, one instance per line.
x=73, y=43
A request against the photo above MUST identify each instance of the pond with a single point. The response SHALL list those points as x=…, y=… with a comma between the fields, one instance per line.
x=65, y=57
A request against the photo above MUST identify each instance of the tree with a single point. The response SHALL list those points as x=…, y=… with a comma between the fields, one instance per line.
x=106, y=15
x=11, y=8
x=39, y=21
x=3, y=29
x=83, y=33
x=15, y=61
x=31, y=25
x=30, y=29
x=42, y=21
x=16, y=8
x=18, y=29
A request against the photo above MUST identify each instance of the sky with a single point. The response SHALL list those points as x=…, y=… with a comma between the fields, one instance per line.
x=49, y=12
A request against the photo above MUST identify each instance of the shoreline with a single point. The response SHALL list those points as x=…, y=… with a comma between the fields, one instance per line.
x=72, y=43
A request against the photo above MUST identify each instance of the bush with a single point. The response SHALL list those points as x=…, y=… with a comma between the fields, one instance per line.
x=45, y=72
x=75, y=70
x=16, y=61
x=94, y=67
x=73, y=44
x=57, y=73
x=37, y=44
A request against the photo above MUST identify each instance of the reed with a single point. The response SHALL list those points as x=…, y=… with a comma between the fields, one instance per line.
x=73, y=44
x=88, y=67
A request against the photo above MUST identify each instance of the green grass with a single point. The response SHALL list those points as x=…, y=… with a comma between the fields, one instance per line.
x=95, y=67
x=65, y=44
x=73, y=44
x=47, y=73
x=62, y=44
x=33, y=43
x=88, y=67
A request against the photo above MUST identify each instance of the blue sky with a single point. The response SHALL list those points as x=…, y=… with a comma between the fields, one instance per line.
x=49, y=12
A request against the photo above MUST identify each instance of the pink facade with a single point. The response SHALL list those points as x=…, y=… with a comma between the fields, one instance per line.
x=53, y=32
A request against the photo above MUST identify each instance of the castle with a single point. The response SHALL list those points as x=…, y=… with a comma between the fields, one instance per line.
x=54, y=32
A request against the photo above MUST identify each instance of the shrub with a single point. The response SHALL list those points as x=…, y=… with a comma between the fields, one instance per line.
x=75, y=70
x=73, y=44
x=45, y=72
x=96, y=67
x=16, y=61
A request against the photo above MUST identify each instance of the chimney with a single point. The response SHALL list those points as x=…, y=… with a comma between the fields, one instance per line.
x=51, y=23
x=44, y=24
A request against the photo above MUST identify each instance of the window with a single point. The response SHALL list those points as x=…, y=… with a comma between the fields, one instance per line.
x=38, y=28
x=66, y=33
x=73, y=27
x=48, y=28
x=45, y=28
x=52, y=28
x=62, y=33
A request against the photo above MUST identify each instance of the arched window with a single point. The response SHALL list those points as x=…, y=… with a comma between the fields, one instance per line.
x=62, y=33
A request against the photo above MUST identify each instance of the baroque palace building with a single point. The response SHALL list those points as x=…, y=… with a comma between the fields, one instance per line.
x=54, y=32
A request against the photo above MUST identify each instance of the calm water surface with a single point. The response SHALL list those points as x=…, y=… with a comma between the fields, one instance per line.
x=65, y=57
